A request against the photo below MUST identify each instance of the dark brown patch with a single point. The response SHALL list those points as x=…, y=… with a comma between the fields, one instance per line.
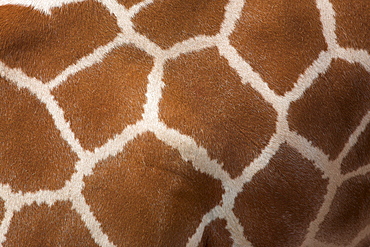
x=149, y=196
x=102, y=100
x=204, y=98
x=33, y=154
x=279, y=39
x=129, y=3
x=171, y=21
x=359, y=155
x=277, y=206
x=44, y=45
x=41, y=225
x=349, y=212
x=216, y=235
x=333, y=107
x=353, y=23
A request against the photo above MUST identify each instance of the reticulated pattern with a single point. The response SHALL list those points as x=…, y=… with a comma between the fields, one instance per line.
x=283, y=134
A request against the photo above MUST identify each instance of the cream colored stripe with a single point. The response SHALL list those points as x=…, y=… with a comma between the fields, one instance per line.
x=190, y=45
x=353, y=138
x=92, y=224
x=138, y=7
x=190, y=151
x=206, y=220
x=363, y=170
x=42, y=6
x=236, y=230
x=42, y=92
x=336, y=180
x=325, y=208
x=305, y=80
x=233, y=12
x=96, y=56
x=5, y=223
x=355, y=56
x=247, y=74
x=327, y=17
x=259, y=163
x=365, y=233
x=310, y=152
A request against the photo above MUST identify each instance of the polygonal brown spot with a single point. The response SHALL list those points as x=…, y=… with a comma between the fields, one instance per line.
x=349, y=212
x=205, y=99
x=43, y=225
x=102, y=100
x=333, y=107
x=353, y=23
x=129, y=3
x=171, y=21
x=215, y=234
x=44, y=45
x=277, y=206
x=148, y=196
x=33, y=155
x=279, y=39
x=359, y=155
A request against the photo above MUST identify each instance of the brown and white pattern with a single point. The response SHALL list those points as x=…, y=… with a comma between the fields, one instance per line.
x=185, y=123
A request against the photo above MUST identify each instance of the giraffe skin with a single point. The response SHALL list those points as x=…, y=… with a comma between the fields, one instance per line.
x=185, y=123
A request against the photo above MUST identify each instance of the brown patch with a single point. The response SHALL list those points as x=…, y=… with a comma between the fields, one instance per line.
x=2, y=209
x=33, y=155
x=149, y=196
x=204, y=98
x=353, y=23
x=216, y=235
x=279, y=39
x=171, y=21
x=129, y=3
x=42, y=225
x=333, y=107
x=277, y=206
x=359, y=155
x=102, y=100
x=349, y=212
x=44, y=45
